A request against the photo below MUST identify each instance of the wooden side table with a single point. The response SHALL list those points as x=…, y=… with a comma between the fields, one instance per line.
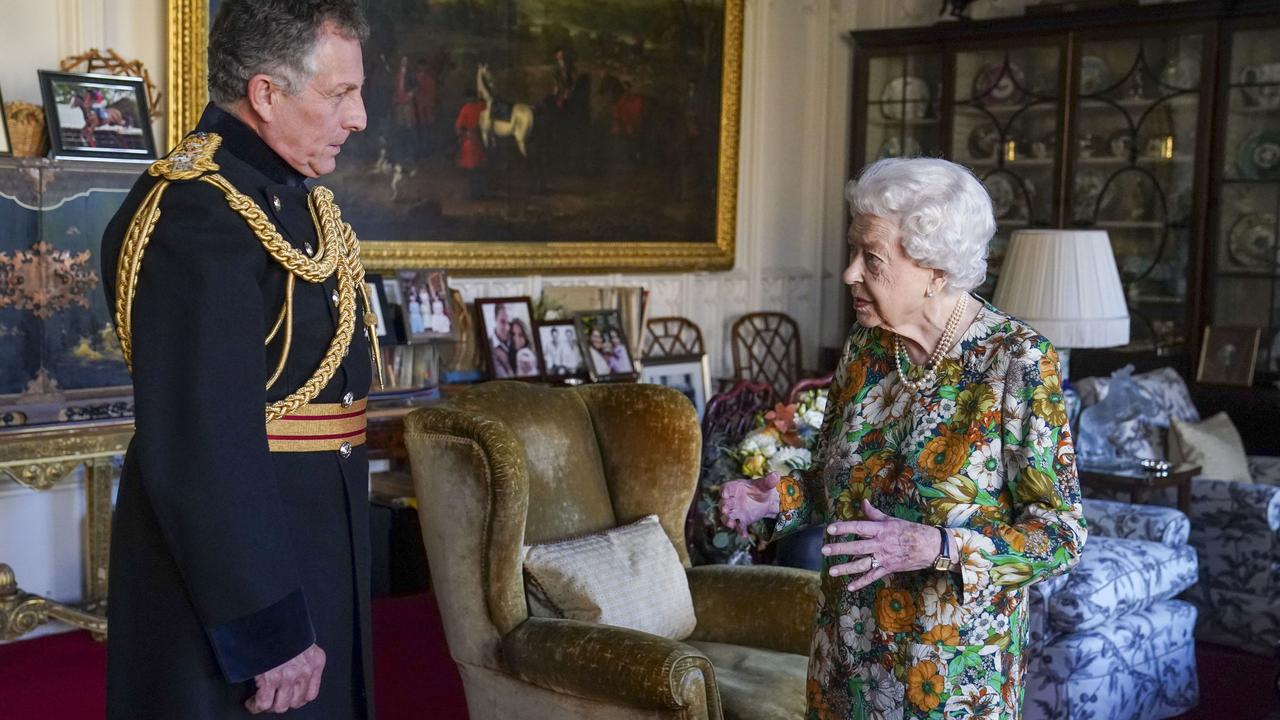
x=1139, y=482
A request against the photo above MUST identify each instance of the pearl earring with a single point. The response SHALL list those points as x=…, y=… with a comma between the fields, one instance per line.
x=930, y=293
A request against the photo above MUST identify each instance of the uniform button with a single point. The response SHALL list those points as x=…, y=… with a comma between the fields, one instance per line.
x=275, y=202
x=308, y=248
x=348, y=399
x=334, y=297
x=345, y=450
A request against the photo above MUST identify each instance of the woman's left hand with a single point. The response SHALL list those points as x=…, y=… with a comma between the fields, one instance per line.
x=890, y=545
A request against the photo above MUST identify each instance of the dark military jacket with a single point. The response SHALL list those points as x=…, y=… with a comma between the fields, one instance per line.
x=228, y=559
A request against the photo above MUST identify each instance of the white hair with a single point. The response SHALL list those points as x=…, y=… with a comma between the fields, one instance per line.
x=942, y=209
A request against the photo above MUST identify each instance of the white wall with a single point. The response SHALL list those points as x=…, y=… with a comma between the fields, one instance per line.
x=794, y=157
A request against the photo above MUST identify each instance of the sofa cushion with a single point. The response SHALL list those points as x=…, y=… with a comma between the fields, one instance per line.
x=1213, y=444
x=1165, y=396
x=628, y=577
x=757, y=684
x=1116, y=577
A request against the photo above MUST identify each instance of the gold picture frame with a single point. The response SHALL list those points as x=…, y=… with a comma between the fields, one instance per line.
x=188, y=22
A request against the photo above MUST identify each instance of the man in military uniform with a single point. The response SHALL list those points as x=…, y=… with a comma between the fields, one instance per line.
x=240, y=558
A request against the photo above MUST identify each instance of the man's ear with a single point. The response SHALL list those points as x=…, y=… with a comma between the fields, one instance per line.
x=263, y=94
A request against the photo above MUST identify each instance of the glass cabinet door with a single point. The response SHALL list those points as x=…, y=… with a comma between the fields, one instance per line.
x=903, y=106
x=1138, y=104
x=1005, y=127
x=1245, y=288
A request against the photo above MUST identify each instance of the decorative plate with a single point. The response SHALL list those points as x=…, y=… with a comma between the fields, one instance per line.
x=1266, y=81
x=1120, y=144
x=1259, y=155
x=1086, y=189
x=1094, y=75
x=1181, y=74
x=1003, y=199
x=905, y=97
x=1252, y=241
x=983, y=142
x=895, y=147
x=998, y=83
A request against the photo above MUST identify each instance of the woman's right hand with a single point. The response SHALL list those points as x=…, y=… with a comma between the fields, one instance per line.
x=743, y=502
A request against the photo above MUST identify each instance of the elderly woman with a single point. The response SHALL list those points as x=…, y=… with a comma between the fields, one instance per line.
x=945, y=473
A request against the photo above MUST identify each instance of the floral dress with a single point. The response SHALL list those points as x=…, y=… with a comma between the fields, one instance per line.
x=984, y=451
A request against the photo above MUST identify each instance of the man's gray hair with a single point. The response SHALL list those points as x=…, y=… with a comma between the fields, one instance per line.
x=276, y=38
x=941, y=208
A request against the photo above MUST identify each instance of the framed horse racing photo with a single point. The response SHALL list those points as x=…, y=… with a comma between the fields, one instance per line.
x=103, y=117
x=530, y=136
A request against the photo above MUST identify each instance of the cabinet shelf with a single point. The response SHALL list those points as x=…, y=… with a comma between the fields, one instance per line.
x=1185, y=102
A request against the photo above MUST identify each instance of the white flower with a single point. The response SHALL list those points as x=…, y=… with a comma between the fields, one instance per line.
x=1038, y=435
x=855, y=629
x=812, y=418
x=820, y=403
x=985, y=466
x=884, y=692
x=940, y=606
x=762, y=442
x=886, y=401
x=821, y=655
x=789, y=458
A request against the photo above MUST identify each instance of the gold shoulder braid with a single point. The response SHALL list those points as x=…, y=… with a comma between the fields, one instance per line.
x=339, y=252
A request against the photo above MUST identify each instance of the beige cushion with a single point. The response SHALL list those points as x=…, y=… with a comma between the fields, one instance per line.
x=629, y=576
x=1213, y=444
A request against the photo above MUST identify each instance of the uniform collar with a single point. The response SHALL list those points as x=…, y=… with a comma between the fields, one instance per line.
x=240, y=140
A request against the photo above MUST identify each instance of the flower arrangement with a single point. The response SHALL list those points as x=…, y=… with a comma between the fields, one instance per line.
x=782, y=442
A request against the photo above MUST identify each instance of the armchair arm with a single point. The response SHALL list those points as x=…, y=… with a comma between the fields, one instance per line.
x=607, y=663
x=760, y=606
x=1128, y=521
x=1229, y=503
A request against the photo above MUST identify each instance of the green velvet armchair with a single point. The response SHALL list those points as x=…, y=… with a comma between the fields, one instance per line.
x=508, y=464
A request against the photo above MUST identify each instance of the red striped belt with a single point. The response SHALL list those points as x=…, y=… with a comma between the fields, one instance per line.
x=317, y=427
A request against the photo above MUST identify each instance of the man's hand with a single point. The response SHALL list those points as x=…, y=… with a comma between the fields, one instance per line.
x=289, y=686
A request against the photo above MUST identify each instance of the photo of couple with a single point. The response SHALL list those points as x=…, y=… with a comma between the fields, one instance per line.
x=511, y=342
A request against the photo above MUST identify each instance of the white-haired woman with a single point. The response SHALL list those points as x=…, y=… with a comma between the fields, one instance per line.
x=946, y=474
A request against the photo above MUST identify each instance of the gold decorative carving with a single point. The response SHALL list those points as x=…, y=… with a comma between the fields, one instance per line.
x=39, y=458
x=188, y=48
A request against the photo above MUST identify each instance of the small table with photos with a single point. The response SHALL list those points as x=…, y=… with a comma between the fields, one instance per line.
x=1140, y=479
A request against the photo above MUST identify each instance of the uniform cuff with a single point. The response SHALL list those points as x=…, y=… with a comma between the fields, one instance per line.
x=251, y=645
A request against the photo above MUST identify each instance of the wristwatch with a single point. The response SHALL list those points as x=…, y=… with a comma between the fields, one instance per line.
x=942, y=563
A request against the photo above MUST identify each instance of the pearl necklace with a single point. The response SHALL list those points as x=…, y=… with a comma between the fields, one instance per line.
x=931, y=367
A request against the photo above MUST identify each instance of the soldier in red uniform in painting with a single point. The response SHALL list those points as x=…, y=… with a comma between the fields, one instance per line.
x=471, y=155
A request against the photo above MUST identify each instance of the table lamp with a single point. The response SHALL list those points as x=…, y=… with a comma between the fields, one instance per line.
x=1065, y=284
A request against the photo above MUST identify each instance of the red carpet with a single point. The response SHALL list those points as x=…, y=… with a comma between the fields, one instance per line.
x=63, y=677
x=60, y=677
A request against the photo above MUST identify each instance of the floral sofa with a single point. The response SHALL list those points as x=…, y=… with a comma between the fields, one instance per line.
x=1108, y=640
x=1235, y=526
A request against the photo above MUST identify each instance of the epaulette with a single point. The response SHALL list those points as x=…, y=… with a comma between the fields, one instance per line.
x=192, y=158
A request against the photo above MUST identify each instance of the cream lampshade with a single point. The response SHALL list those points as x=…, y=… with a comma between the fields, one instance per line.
x=1065, y=284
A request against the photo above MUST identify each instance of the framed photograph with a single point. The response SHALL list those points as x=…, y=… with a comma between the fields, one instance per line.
x=427, y=313
x=506, y=331
x=394, y=307
x=1228, y=355
x=561, y=355
x=378, y=298
x=6, y=147
x=689, y=374
x=604, y=345
x=97, y=116
x=530, y=136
